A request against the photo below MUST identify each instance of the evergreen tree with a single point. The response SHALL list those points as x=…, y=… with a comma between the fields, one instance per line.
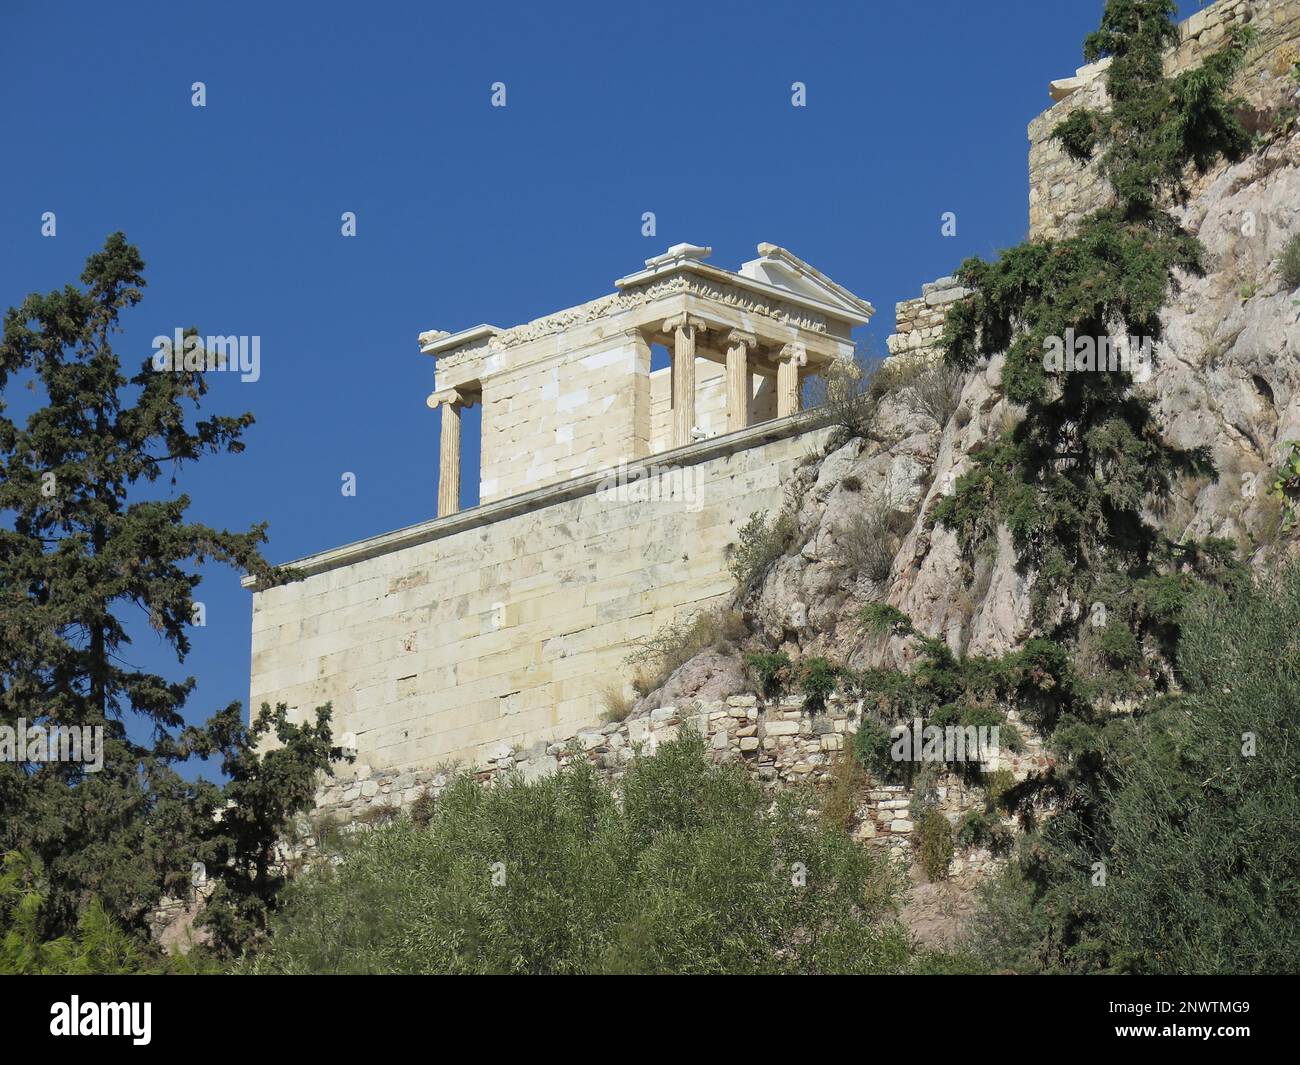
x=1072, y=478
x=81, y=551
x=1075, y=478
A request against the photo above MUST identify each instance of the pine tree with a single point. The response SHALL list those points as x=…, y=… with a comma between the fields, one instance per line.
x=82, y=550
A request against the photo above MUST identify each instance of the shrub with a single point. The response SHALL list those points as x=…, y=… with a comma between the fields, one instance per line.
x=871, y=745
x=1290, y=264
x=1286, y=485
x=878, y=619
x=817, y=677
x=690, y=873
x=982, y=829
x=839, y=805
x=771, y=671
x=996, y=785
x=869, y=539
x=937, y=392
x=847, y=398
x=759, y=544
x=614, y=699
x=934, y=846
x=422, y=809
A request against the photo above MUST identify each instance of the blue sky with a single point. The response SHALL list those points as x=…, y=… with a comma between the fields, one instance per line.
x=469, y=213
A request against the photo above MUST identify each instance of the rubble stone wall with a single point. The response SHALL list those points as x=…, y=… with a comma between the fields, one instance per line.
x=780, y=741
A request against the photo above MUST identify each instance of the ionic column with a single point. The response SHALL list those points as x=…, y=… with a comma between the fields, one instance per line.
x=738, y=345
x=683, y=327
x=448, y=450
x=793, y=356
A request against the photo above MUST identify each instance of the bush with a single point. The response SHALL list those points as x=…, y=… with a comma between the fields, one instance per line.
x=996, y=786
x=614, y=699
x=934, y=846
x=937, y=392
x=1290, y=264
x=869, y=540
x=771, y=671
x=759, y=544
x=839, y=805
x=696, y=871
x=871, y=745
x=981, y=829
x=817, y=677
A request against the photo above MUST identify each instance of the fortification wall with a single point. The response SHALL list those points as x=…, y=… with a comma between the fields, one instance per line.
x=500, y=625
x=1061, y=191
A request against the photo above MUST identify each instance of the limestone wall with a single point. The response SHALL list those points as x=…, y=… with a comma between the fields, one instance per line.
x=595, y=406
x=1061, y=191
x=500, y=625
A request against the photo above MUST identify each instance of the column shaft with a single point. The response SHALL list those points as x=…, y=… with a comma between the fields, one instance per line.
x=683, y=383
x=449, y=461
x=787, y=387
x=737, y=383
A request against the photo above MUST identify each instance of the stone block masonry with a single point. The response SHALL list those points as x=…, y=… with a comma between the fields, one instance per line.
x=920, y=321
x=502, y=624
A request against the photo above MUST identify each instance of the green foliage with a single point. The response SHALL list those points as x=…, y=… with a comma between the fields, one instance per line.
x=1071, y=479
x=1290, y=263
x=759, y=544
x=879, y=619
x=83, y=549
x=817, y=679
x=979, y=828
x=694, y=872
x=771, y=670
x=95, y=946
x=996, y=785
x=1286, y=484
x=934, y=847
x=871, y=745
x=239, y=826
x=1196, y=803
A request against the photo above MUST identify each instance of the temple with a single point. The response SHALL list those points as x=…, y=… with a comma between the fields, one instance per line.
x=575, y=392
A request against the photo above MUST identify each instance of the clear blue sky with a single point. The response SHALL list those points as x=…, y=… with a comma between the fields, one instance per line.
x=469, y=213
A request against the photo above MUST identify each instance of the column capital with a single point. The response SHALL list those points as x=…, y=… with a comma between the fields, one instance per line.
x=794, y=353
x=445, y=395
x=683, y=321
x=739, y=336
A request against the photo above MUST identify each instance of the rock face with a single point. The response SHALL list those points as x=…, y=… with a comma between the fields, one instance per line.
x=1226, y=376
